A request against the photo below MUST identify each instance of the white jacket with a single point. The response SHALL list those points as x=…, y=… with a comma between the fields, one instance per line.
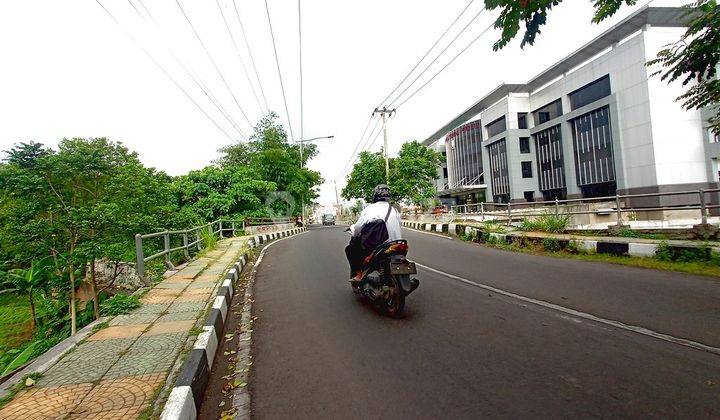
x=376, y=211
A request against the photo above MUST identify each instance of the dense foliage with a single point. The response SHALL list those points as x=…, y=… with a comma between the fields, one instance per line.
x=693, y=59
x=63, y=209
x=411, y=174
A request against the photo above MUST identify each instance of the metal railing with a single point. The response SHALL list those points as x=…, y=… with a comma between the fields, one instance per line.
x=504, y=211
x=185, y=236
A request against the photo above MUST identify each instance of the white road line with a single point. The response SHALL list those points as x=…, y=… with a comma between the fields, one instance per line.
x=617, y=324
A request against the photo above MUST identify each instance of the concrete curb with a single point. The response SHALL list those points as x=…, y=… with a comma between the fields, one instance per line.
x=187, y=393
x=611, y=246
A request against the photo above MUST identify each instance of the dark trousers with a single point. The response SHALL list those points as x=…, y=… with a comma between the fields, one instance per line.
x=355, y=255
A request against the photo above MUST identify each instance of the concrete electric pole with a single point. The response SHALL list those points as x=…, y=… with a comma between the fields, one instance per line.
x=385, y=113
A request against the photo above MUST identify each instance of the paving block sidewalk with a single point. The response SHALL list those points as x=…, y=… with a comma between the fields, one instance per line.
x=118, y=371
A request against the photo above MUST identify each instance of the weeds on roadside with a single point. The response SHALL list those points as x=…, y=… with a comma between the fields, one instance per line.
x=119, y=305
x=549, y=223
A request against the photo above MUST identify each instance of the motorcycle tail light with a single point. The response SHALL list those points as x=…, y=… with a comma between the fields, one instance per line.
x=400, y=247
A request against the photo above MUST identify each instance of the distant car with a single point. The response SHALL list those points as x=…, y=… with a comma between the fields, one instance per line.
x=328, y=219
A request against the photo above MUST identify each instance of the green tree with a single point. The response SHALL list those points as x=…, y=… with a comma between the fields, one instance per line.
x=368, y=172
x=693, y=58
x=25, y=282
x=274, y=159
x=411, y=174
x=414, y=171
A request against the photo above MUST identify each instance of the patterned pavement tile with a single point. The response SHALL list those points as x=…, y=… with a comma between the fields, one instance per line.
x=173, y=285
x=179, y=316
x=45, y=403
x=152, y=300
x=152, y=308
x=203, y=284
x=170, y=327
x=77, y=371
x=198, y=291
x=197, y=297
x=150, y=354
x=186, y=307
x=101, y=349
x=119, y=331
x=133, y=319
x=206, y=278
x=121, y=398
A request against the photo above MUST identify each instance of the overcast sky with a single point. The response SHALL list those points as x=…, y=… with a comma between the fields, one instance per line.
x=69, y=71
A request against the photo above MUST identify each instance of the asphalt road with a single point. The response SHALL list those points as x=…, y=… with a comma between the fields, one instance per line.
x=464, y=352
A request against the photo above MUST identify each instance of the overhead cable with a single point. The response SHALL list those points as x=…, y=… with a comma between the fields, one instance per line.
x=277, y=62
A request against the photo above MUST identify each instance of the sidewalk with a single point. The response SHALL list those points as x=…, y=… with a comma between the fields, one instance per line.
x=118, y=371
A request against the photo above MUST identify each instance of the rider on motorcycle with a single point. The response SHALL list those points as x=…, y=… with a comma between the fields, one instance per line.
x=380, y=209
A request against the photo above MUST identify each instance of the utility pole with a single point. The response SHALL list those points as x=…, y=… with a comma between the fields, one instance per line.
x=385, y=113
x=337, y=200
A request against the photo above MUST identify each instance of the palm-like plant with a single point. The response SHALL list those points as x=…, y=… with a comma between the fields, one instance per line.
x=25, y=281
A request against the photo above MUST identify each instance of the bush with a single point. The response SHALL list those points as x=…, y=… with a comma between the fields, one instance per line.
x=551, y=245
x=119, y=305
x=208, y=239
x=549, y=223
x=628, y=233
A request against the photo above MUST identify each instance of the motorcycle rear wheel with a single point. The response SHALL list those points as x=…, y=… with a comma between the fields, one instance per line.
x=395, y=304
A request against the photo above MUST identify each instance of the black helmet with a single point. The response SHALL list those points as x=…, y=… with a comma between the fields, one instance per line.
x=381, y=193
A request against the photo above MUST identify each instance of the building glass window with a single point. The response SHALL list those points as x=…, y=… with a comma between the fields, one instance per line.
x=548, y=112
x=496, y=127
x=464, y=155
x=549, y=156
x=589, y=93
x=499, y=176
x=529, y=196
x=524, y=144
x=522, y=120
x=593, y=146
x=526, y=169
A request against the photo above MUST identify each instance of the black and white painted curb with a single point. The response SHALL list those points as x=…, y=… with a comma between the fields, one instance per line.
x=610, y=246
x=184, y=400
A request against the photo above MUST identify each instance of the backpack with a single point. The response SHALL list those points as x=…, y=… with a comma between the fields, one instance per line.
x=375, y=232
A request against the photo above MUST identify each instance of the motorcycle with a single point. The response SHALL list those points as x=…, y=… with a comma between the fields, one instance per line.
x=386, y=280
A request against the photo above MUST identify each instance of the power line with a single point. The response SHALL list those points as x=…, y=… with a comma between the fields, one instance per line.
x=437, y=41
x=237, y=50
x=360, y=140
x=437, y=57
x=164, y=71
x=252, y=59
x=277, y=62
x=217, y=69
x=354, y=158
x=194, y=77
x=448, y=64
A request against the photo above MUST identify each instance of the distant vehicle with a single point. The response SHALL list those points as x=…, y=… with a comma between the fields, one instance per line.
x=328, y=219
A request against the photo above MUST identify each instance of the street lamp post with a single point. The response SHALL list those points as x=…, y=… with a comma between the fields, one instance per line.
x=302, y=163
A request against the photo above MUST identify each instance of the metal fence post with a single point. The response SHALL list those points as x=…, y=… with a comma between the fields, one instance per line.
x=166, y=240
x=220, y=228
x=703, y=210
x=617, y=207
x=139, y=256
x=233, y=227
x=557, y=207
x=509, y=211
x=482, y=211
x=197, y=239
x=185, y=245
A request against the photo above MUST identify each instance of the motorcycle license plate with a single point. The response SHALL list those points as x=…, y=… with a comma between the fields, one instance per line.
x=405, y=267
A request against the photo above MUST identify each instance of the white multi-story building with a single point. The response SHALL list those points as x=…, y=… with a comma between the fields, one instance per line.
x=595, y=124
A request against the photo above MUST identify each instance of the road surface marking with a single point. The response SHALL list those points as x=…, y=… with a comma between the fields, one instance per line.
x=617, y=324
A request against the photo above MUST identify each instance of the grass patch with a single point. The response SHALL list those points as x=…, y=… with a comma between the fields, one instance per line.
x=549, y=223
x=119, y=305
x=15, y=321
